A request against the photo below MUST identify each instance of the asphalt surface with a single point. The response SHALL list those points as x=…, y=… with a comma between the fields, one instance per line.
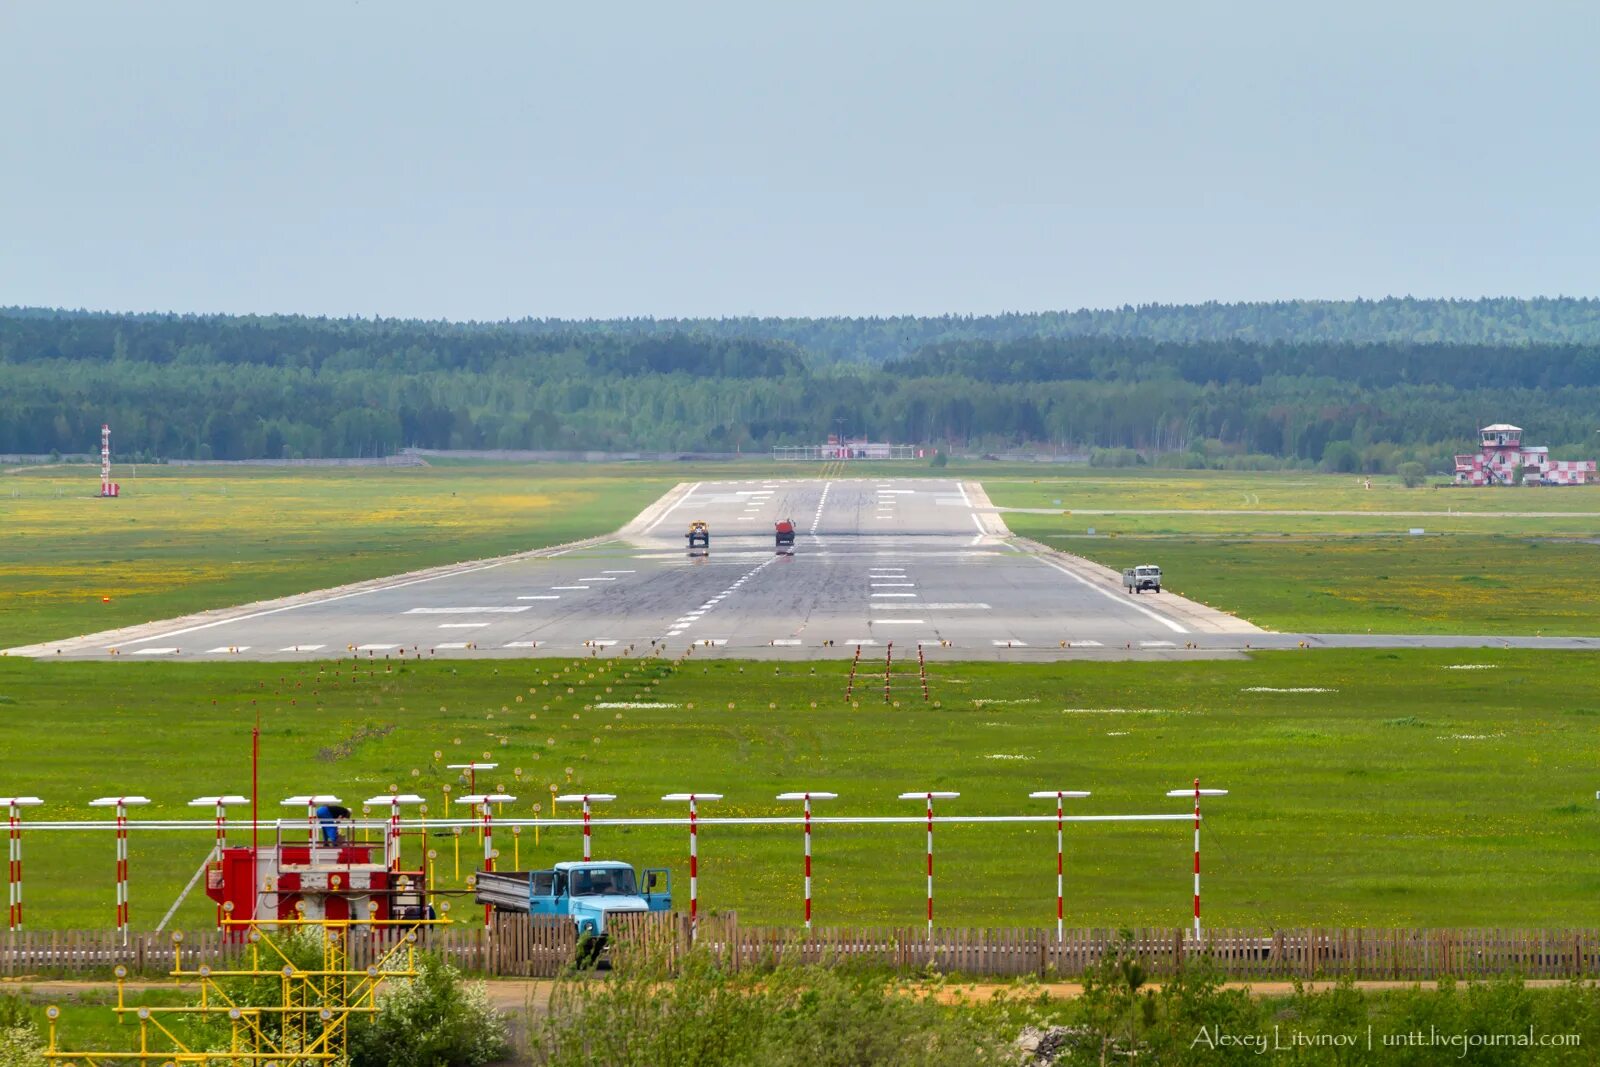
x=909, y=561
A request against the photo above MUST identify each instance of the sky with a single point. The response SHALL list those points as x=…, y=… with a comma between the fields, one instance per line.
x=490, y=161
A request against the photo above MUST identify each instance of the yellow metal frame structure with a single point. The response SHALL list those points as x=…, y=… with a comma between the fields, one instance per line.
x=312, y=1014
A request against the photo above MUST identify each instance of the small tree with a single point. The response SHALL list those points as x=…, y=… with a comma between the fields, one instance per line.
x=939, y=461
x=1412, y=474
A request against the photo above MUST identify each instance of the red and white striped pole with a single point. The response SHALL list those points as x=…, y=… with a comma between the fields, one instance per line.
x=121, y=804
x=585, y=799
x=221, y=803
x=1197, y=792
x=1059, y=795
x=14, y=855
x=391, y=848
x=807, y=798
x=485, y=802
x=929, y=798
x=694, y=852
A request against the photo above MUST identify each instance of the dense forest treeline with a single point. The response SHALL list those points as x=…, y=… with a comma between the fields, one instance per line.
x=1488, y=321
x=228, y=387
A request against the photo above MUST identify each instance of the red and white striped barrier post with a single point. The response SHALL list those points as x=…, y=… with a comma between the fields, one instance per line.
x=14, y=855
x=922, y=670
x=121, y=804
x=806, y=799
x=888, y=661
x=1059, y=795
x=391, y=846
x=929, y=798
x=585, y=799
x=694, y=853
x=221, y=804
x=486, y=802
x=1197, y=792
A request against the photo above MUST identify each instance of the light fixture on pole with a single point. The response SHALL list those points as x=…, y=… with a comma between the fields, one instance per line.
x=221, y=804
x=121, y=804
x=694, y=853
x=1059, y=795
x=807, y=798
x=391, y=847
x=586, y=799
x=486, y=802
x=1197, y=793
x=929, y=798
x=14, y=806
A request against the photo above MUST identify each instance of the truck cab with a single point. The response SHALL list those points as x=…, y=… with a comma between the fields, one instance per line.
x=1145, y=576
x=586, y=891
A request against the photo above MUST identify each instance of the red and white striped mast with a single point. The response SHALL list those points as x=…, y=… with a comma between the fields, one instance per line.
x=929, y=798
x=391, y=848
x=1197, y=793
x=807, y=798
x=14, y=867
x=121, y=804
x=312, y=802
x=1059, y=795
x=485, y=802
x=586, y=799
x=694, y=853
x=221, y=804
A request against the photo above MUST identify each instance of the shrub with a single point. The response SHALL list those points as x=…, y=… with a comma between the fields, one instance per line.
x=21, y=1044
x=1412, y=474
x=939, y=461
x=432, y=1020
x=786, y=1015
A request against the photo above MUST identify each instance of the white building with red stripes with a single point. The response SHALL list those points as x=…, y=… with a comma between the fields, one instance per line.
x=1502, y=459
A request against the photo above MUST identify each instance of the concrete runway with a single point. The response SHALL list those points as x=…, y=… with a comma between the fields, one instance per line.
x=876, y=561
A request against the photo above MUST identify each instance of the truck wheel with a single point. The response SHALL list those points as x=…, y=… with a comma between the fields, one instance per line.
x=1158, y=589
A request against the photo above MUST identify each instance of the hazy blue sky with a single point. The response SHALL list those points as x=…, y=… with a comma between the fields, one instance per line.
x=583, y=159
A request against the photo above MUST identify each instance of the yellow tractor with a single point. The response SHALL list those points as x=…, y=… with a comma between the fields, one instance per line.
x=699, y=536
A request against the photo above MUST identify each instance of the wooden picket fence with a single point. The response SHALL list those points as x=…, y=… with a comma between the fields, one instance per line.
x=519, y=946
x=1372, y=954
x=540, y=947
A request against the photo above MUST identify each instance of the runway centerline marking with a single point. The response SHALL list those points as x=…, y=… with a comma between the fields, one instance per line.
x=569, y=587
x=541, y=596
x=462, y=625
x=894, y=594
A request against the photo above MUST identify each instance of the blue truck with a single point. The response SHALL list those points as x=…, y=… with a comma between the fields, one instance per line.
x=586, y=891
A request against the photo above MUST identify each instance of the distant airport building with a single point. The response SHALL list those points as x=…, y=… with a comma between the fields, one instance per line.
x=1502, y=459
x=847, y=448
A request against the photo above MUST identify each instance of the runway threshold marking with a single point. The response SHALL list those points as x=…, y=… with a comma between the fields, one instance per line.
x=227, y=648
x=1109, y=595
x=373, y=648
x=451, y=645
x=500, y=610
x=898, y=622
x=302, y=648
x=461, y=625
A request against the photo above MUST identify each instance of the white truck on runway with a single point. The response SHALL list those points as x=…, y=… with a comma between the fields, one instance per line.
x=1145, y=576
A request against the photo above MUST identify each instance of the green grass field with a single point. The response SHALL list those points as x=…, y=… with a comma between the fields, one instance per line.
x=188, y=539
x=1368, y=787
x=1490, y=561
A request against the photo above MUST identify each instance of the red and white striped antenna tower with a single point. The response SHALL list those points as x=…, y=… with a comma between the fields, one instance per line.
x=929, y=798
x=14, y=806
x=1059, y=795
x=694, y=853
x=586, y=799
x=1197, y=793
x=121, y=804
x=807, y=798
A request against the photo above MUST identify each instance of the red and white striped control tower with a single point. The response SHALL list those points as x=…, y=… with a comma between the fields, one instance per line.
x=107, y=486
x=1502, y=459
